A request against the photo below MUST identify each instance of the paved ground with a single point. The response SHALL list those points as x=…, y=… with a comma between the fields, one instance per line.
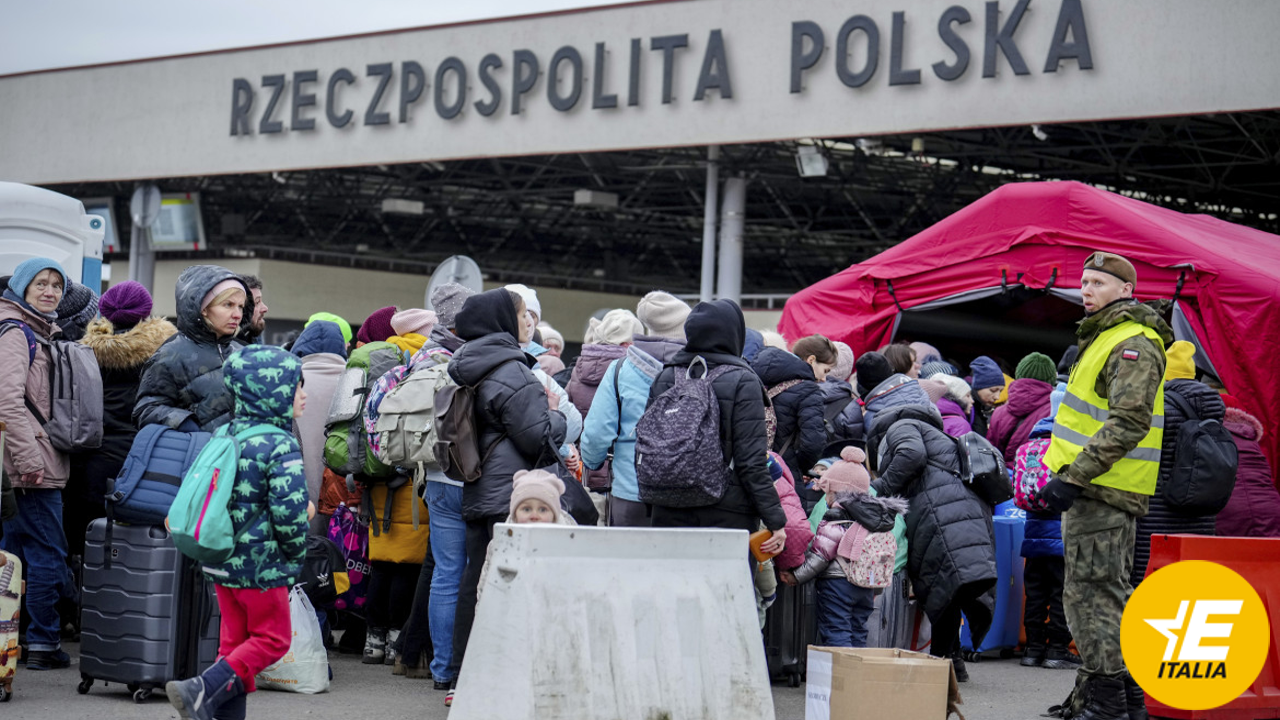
x=999, y=690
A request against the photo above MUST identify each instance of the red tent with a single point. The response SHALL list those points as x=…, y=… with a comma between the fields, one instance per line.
x=1226, y=277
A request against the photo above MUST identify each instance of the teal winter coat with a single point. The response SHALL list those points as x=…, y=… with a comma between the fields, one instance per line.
x=604, y=429
x=269, y=503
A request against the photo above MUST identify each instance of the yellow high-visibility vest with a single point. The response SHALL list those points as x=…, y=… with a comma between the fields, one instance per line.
x=1083, y=412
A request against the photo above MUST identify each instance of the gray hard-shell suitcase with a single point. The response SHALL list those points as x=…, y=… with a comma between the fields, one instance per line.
x=148, y=618
x=790, y=626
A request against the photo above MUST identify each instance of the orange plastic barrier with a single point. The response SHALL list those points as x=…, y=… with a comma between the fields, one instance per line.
x=1258, y=561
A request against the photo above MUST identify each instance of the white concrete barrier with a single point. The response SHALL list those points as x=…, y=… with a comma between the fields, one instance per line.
x=602, y=623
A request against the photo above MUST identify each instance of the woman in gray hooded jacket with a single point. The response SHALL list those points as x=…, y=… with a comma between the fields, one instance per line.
x=182, y=384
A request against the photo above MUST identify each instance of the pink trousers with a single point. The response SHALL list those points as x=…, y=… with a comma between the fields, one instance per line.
x=256, y=630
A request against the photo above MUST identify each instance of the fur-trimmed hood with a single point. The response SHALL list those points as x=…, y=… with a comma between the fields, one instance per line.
x=1240, y=423
x=128, y=349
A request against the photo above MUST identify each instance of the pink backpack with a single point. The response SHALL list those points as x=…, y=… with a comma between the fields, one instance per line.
x=1030, y=474
x=873, y=568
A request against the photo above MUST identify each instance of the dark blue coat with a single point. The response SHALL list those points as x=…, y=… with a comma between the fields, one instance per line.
x=801, y=428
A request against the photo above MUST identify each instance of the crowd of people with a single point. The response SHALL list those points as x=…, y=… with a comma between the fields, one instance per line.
x=835, y=456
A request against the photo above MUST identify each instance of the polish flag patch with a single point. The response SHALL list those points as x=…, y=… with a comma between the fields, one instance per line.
x=1130, y=354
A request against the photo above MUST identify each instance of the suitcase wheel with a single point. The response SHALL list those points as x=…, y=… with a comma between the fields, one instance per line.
x=5, y=693
x=141, y=695
x=85, y=684
x=793, y=679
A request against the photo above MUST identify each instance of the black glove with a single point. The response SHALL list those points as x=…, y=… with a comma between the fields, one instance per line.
x=1058, y=494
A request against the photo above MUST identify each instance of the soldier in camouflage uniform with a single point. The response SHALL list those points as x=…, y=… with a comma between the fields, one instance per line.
x=1105, y=467
x=269, y=514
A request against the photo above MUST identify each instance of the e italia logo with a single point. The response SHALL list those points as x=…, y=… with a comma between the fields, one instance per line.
x=1195, y=635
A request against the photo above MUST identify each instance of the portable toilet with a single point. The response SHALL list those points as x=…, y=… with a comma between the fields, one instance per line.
x=35, y=222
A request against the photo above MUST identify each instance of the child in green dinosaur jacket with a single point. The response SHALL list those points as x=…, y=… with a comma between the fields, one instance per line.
x=269, y=513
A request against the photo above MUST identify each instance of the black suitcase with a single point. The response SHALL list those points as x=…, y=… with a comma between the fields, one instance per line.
x=790, y=627
x=148, y=615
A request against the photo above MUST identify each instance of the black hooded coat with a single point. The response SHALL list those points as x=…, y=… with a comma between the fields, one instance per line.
x=183, y=379
x=950, y=534
x=801, y=431
x=716, y=332
x=517, y=430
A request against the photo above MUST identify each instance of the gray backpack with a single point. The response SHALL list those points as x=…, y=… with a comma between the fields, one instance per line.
x=75, y=384
x=679, y=459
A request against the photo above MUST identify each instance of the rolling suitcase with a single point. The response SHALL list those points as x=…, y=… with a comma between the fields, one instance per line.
x=790, y=626
x=11, y=587
x=148, y=614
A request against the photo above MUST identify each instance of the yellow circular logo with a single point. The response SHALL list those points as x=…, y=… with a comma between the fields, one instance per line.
x=1195, y=635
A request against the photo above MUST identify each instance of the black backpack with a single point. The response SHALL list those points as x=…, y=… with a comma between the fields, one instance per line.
x=1204, y=464
x=982, y=469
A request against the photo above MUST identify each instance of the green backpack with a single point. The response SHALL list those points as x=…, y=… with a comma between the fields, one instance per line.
x=200, y=517
x=346, y=443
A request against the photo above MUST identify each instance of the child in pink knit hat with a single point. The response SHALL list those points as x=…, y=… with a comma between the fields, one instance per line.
x=853, y=514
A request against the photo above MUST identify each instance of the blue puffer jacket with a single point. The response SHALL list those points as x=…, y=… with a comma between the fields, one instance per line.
x=1043, y=535
x=269, y=503
x=635, y=374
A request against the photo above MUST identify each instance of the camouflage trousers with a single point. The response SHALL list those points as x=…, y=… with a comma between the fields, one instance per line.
x=1097, y=543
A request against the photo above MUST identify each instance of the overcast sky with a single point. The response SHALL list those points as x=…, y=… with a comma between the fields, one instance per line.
x=41, y=34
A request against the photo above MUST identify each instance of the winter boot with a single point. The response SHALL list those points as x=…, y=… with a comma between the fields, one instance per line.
x=200, y=697
x=1061, y=659
x=375, y=646
x=393, y=651
x=1135, y=700
x=957, y=662
x=233, y=709
x=1033, y=656
x=1107, y=700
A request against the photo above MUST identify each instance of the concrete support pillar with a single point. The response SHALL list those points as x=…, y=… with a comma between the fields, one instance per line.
x=711, y=204
x=732, y=224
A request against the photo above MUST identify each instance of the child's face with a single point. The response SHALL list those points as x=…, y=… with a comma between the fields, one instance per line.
x=299, y=401
x=534, y=511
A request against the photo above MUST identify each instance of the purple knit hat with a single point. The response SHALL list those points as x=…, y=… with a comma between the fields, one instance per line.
x=377, y=327
x=125, y=304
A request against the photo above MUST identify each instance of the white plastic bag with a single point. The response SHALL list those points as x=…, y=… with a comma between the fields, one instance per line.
x=305, y=668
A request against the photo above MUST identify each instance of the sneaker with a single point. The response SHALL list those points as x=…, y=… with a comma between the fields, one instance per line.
x=375, y=647
x=448, y=697
x=1033, y=656
x=391, y=656
x=962, y=673
x=47, y=660
x=1062, y=659
x=441, y=685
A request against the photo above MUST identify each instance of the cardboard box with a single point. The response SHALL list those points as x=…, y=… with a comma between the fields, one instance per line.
x=875, y=684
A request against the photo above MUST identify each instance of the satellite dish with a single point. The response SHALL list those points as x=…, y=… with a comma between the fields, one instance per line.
x=458, y=269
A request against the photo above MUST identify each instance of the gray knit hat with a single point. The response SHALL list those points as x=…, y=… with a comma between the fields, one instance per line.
x=664, y=314
x=937, y=367
x=447, y=300
x=79, y=306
